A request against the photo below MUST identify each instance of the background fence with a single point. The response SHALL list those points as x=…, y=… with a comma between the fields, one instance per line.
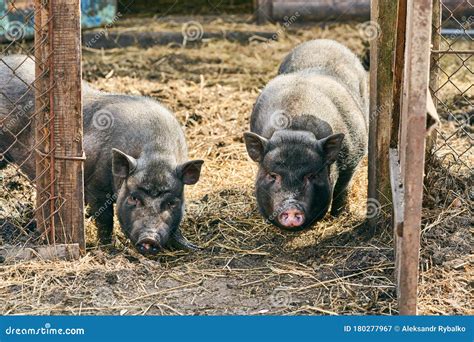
x=41, y=123
x=452, y=71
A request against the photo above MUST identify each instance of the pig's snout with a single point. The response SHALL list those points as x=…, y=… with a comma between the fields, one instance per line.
x=148, y=246
x=291, y=217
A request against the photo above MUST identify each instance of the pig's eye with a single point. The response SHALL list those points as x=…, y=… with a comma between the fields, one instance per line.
x=132, y=200
x=313, y=177
x=172, y=203
x=272, y=177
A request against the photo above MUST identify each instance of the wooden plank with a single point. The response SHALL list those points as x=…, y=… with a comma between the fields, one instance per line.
x=416, y=84
x=384, y=17
x=58, y=122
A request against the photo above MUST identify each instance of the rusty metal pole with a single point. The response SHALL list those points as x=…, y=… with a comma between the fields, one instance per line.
x=43, y=122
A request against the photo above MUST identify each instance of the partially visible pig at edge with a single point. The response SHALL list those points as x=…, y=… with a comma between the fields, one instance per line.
x=309, y=131
x=136, y=154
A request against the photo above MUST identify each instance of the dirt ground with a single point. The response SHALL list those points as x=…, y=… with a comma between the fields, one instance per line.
x=246, y=266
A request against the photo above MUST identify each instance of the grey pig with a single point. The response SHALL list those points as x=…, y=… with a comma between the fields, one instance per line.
x=309, y=131
x=135, y=151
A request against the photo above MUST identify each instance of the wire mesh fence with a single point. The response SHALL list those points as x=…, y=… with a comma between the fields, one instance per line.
x=17, y=111
x=32, y=122
x=452, y=85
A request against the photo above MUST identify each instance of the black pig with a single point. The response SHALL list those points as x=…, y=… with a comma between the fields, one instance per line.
x=308, y=134
x=135, y=150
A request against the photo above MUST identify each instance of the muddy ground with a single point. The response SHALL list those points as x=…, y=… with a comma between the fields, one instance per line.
x=246, y=266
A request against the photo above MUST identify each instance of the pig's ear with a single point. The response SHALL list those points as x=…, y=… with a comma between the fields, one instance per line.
x=190, y=171
x=122, y=164
x=255, y=146
x=331, y=146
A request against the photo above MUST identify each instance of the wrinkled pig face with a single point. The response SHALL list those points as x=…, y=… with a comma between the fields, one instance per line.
x=150, y=201
x=293, y=185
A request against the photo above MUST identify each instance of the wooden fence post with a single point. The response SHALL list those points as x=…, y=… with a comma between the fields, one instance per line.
x=412, y=149
x=384, y=19
x=58, y=121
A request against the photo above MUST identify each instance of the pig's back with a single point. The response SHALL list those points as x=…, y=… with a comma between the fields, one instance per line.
x=330, y=58
x=136, y=125
x=316, y=102
x=16, y=74
x=16, y=109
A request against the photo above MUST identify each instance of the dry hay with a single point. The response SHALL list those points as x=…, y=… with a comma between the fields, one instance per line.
x=246, y=266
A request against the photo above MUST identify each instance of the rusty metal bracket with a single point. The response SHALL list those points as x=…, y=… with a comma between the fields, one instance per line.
x=80, y=158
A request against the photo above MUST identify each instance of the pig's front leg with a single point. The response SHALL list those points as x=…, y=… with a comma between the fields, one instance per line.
x=341, y=191
x=102, y=212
